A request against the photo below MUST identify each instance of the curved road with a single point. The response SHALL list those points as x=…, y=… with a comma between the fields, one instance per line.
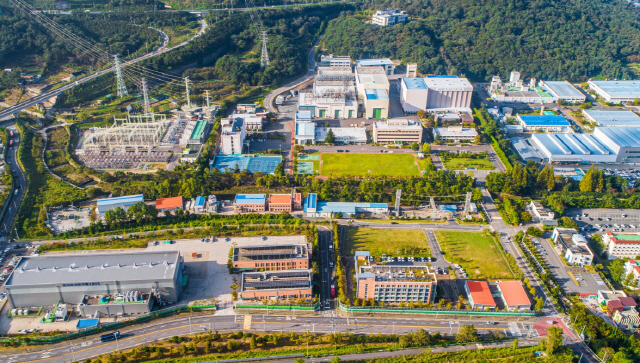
x=20, y=182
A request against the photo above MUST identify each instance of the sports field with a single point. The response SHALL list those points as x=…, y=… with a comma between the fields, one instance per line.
x=392, y=242
x=358, y=164
x=465, y=163
x=476, y=252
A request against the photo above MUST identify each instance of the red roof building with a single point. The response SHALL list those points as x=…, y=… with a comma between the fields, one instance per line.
x=169, y=204
x=514, y=295
x=479, y=294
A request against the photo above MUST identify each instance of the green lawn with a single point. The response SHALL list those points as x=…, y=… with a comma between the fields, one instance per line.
x=367, y=164
x=394, y=242
x=465, y=163
x=476, y=252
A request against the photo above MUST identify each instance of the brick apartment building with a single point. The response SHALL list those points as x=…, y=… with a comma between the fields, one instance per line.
x=272, y=257
x=274, y=285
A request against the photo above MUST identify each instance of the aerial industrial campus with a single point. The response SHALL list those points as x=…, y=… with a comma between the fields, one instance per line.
x=238, y=181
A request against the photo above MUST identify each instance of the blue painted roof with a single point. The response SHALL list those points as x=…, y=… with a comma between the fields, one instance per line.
x=374, y=62
x=376, y=94
x=126, y=199
x=544, y=120
x=414, y=83
x=200, y=200
x=250, y=198
x=310, y=201
x=349, y=208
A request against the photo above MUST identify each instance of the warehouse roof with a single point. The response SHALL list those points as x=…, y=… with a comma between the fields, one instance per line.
x=250, y=198
x=525, y=150
x=280, y=198
x=480, y=293
x=94, y=269
x=376, y=94
x=311, y=201
x=303, y=115
x=563, y=89
x=305, y=129
x=169, y=203
x=369, y=79
x=347, y=208
x=572, y=144
x=543, y=120
x=619, y=89
x=614, y=117
x=448, y=84
x=622, y=136
x=198, y=130
x=374, y=62
x=513, y=293
x=414, y=83
x=126, y=199
x=200, y=201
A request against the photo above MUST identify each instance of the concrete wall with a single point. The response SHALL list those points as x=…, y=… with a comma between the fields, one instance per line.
x=369, y=105
x=276, y=294
x=449, y=99
x=413, y=100
x=114, y=310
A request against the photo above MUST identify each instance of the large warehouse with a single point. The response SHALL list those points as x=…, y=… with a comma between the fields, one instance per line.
x=118, y=202
x=616, y=91
x=547, y=123
x=622, y=118
x=563, y=90
x=109, y=284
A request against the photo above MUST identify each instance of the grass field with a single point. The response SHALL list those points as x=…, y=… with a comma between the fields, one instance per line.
x=394, y=242
x=476, y=252
x=367, y=164
x=464, y=163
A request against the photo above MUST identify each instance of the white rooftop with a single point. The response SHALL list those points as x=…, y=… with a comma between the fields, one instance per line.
x=455, y=132
x=445, y=83
x=344, y=134
x=614, y=117
x=397, y=124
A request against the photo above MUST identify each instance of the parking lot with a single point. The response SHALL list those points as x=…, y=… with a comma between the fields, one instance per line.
x=69, y=219
x=588, y=282
x=602, y=219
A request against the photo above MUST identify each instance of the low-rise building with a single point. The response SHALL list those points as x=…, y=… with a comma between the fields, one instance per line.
x=273, y=257
x=397, y=131
x=198, y=204
x=621, y=245
x=393, y=284
x=386, y=63
x=563, y=90
x=619, y=118
x=479, y=294
x=454, y=134
x=541, y=212
x=513, y=295
x=333, y=94
x=616, y=91
x=315, y=209
x=250, y=203
x=124, y=202
x=305, y=132
x=276, y=285
x=169, y=204
x=633, y=267
x=546, y=123
x=575, y=249
x=343, y=135
x=389, y=17
x=604, y=296
x=335, y=60
x=285, y=202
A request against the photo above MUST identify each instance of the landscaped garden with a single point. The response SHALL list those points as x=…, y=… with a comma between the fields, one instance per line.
x=466, y=160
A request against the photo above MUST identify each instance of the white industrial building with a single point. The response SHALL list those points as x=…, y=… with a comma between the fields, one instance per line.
x=397, y=131
x=546, y=123
x=333, y=94
x=305, y=132
x=413, y=94
x=622, y=118
x=540, y=212
x=343, y=135
x=624, y=141
x=389, y=17
x=385, y=63
x=516, y=90
x=373, y=91
x=234, y=132
x=335, y=60
x=616, y=91
x=448, y=93
x=454, y=134
x=563, y=90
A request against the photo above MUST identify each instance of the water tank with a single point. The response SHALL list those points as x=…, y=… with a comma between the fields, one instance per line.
x=14, y=312
x=47, y=316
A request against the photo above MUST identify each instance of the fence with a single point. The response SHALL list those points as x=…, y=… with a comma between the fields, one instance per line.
x=399, y=310
x=279, y=307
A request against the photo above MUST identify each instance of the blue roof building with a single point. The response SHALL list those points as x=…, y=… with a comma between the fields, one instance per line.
x=616, y=91
x=200, y=201
x=548, y=123
x=250, y=203
x=315, y=209
x=414, y=83
x=122, y=202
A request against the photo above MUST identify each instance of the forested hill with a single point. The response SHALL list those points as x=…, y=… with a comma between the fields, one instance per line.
x=548, y=39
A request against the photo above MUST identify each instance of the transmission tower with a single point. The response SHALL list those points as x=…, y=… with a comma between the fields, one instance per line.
x=264, y=58
x=122, y=87
x=398, y=197
x=145, y=92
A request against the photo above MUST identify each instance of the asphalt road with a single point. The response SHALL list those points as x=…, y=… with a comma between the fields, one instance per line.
x=20, y=183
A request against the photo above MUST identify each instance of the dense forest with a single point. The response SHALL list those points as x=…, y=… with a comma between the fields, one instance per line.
x=546, y=39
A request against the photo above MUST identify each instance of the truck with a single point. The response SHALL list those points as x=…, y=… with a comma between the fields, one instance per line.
x=333, y=291
x=110, y=336
x=279, y=100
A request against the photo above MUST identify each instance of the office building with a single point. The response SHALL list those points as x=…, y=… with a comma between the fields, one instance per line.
x=124, y=202
x=315, y=209
x=333, y=94
x=335, y=60
x=540, y=212
x=276, y=285
x=513, y=295
x=273, y=257
x=612, y=118
x=250, y=203
x=616, y=91
x=397, y=131
x=573, y=246
x=479, y=295
x=633, y=267
x=285, y=202
x=385, y=63
x=373, y=91
x=169, y=204
x=448, y=93
x=343, y=135
x=563, y=90
x=621, y=245
x=232, y=138
x=454, y=134
x=393, y=284
x=546, y=123
x=389, y=17
x=102, y=285
x=413, y=94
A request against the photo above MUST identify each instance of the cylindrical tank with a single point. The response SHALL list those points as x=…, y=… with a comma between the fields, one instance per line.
x=14, y=312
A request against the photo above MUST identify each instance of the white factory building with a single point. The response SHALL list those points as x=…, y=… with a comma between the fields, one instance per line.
x=516, y=90
x=620, y=118
x=413, y=94
x=373, y=91
x=389, y=17
x=385, y=63
x=616, y=91
x=436, y=94
x=563, y=90
x=343, y=135
x=335, y=60
x=333, y=94
x=454, y=134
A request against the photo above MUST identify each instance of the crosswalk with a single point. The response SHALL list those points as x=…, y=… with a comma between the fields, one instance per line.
x=514, y=330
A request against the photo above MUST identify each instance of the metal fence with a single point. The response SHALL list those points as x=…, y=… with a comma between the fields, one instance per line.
x=406, y=310
x=279, y=307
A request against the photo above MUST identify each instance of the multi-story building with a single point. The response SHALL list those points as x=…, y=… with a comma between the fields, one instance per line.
x=479, y=294
x=333, y=94
x=633, y=267
x=454, y=134
x=285, y=202
x=576, y=250
x=335, y=60
x=621, y=245
x=389, y=17
x=273, y=285
x=393, y=284
x=396, y=131
x=373, y=91
x=250, y=203
x=448, y=93
x=272, y=257
x=540, y=212
x=385, y=63
x=232, y=138
x=413, y=94
x=513, y=295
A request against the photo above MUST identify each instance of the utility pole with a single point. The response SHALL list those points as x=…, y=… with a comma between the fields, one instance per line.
x=264, y=58
x=145, y=92
x=121, y=86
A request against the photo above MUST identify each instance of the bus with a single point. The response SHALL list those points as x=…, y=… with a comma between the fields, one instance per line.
x=110, y=336
x=333, y=291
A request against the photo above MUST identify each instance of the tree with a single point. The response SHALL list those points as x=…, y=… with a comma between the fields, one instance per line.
x=467, y=333
x=336, y=359
x=298, y=148
x=525, y=217
x=569, y=223
x=426, y=148
x=514, y=345
x=586, y=105
x=554, y=340
x=415, y=146
x=534, y=232
x=253, y=344
x=422, y=114
x=330, y=138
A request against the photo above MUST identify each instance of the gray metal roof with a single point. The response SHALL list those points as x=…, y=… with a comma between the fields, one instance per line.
x=614, y=117
x=525, y=151
x=94, y=268
x=563, y=89
x=622, y=136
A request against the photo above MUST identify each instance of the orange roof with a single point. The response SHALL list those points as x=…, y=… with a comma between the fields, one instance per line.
x=513, y=293
x=298, y=197
x=280, y=198
x=169, y=203
x=480, y=293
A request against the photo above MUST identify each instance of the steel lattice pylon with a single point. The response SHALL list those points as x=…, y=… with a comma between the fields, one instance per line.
x=264, y=58
x=122, y=87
